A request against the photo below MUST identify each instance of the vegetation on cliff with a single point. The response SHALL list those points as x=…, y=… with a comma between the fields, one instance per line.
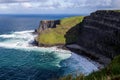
x=114, y=10
x=112, y=72
x=54, y=36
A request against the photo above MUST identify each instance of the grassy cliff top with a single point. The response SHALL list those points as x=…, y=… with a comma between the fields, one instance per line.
x=54, y=36
x=110, y=10
x=116, y=10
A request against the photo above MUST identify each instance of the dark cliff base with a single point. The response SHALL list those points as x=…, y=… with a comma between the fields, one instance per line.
x=98, y=34
x=101, y=59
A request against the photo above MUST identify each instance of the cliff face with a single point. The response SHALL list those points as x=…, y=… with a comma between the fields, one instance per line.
x=45, y=24
x=100, y=33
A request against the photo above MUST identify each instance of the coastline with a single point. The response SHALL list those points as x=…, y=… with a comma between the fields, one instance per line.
x=64, y=48
x=94, y=51
x=101, y=59
x=90, y=47
x=64, y=51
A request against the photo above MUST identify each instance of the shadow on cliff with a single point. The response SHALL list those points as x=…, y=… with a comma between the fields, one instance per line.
x=72, y=34
x=72, y=37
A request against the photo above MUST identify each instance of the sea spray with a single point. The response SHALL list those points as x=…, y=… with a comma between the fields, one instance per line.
x=21, y=40
x=77, y=65
x=49, y=58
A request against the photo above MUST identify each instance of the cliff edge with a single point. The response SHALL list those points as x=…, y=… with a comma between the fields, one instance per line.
x=45, y=24
x=52, y=33
x=100, y=33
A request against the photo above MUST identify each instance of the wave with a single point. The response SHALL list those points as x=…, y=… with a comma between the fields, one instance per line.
x=77, y=64
x=87, y=65
x=17, y=39
x=21, y=40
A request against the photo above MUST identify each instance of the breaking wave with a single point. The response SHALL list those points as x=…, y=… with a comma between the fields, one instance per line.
x=21, y=40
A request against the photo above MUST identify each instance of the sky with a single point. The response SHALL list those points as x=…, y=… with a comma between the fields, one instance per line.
x=56, y=6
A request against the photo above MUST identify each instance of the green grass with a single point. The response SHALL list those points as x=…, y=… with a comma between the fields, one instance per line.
x=116, y=10
x=50, y=37
x=111, y=72
x=56, y=35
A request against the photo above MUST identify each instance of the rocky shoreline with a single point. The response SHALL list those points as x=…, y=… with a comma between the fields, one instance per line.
x=90, y=57
x=95, y=59
x=101, y=59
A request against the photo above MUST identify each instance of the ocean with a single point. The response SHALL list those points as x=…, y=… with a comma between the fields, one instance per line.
x=19, y=60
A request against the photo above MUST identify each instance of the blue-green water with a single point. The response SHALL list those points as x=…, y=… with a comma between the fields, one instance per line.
x=19, y=60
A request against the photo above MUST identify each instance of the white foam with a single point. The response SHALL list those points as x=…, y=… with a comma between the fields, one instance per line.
x=22, y=32
x=87, y=66
x=17, y=39
x=6, y=36
x=77, y=64
x=20, y=40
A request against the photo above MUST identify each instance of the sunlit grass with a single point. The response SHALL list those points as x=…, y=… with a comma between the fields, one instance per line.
x=57, y=35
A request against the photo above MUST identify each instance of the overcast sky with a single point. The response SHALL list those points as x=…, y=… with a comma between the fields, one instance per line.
x=55, y=6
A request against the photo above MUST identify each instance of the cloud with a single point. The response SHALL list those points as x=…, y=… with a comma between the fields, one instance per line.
x=116, y=4
x=96, y=3
x=60, y=3
x=13, y=1
x=2, y=6
x=64, y=5
x=20, y=1
x=26, y=5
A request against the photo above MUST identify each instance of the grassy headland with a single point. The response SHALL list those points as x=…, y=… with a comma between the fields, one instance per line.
x=54, y=36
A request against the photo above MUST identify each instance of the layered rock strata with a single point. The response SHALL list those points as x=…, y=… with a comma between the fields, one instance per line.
x=45, y=24
x=100, y=33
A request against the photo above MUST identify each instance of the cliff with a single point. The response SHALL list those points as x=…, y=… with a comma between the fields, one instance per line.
x=100, y=33
x=45, y=24
x=52, y=33
x=99, y=36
